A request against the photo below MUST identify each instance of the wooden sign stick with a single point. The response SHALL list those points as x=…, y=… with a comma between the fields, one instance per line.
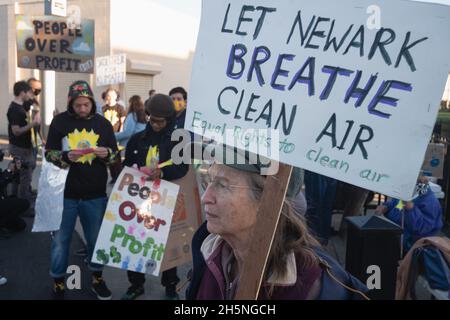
x=269, y=213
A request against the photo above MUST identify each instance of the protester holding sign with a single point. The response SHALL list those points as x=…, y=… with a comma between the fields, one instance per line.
x=115, y=113
x=297, y=267
x=419, y=218
x=141, y=152
x=84, y=142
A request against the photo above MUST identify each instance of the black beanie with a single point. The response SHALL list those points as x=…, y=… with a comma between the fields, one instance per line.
x=81, y=89
x=160, y=106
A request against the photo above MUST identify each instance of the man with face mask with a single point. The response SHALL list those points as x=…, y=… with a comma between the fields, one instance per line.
x=179, y=97
x=83, y=141
x=420, y=217
x=19, y=132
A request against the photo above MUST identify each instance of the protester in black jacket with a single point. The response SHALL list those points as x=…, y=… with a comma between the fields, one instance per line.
x=157, y=134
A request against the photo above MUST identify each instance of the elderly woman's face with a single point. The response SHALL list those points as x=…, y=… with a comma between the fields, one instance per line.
x=230, y=208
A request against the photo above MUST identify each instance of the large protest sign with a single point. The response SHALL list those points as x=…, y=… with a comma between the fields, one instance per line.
x=354, y=95
x=187, y=218
x=136, y=225
x=47, y=43
x=111, y=70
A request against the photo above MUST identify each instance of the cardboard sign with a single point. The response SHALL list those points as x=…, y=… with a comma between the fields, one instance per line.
x=111, y=70
x=136, y=225
x=433, y=166
x=352, y=88
x=56, y=8
x=187, y=218
x=49, y=43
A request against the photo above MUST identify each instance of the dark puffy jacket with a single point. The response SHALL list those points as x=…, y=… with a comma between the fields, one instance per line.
x=138, y=146
x=424, y=220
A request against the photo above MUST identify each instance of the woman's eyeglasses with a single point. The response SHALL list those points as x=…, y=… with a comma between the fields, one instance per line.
x=37, y=92
x=220, y=184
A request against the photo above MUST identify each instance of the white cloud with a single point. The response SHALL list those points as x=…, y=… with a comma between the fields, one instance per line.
x=82, y=47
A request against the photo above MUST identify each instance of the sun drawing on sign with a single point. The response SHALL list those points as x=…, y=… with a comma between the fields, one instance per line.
x=81, y=141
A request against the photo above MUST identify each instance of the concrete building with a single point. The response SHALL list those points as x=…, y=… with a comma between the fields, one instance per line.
x=159, y=42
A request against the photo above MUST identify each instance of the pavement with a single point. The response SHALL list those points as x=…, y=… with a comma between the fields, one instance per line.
x=25, y=262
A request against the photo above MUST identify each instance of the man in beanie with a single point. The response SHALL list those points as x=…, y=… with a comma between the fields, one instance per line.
x=83, y=141
x=157, y=135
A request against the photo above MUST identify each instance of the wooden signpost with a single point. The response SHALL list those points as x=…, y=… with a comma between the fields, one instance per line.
x=263, y=234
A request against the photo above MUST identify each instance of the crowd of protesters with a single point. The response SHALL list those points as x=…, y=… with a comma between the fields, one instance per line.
x=298, y=265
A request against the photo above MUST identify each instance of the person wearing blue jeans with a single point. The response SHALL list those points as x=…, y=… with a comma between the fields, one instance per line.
x=91, y=214
x=320, y=195
x=83, y=142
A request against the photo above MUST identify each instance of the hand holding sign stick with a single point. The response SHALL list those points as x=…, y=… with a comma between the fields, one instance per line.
x=154, y=174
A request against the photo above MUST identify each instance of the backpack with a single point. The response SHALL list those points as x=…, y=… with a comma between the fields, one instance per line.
x=430, y=262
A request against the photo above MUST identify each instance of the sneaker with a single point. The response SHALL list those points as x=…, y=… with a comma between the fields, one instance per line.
x=58, y=291
x=133, y=292
x=3, y=281
x=101, y=290
x=171, y=293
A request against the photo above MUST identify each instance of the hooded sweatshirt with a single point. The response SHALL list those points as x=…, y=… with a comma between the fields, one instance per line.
x=87, y=177
x=423, y=220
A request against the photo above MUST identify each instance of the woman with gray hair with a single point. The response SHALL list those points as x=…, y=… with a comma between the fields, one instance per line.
x=297, y=269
